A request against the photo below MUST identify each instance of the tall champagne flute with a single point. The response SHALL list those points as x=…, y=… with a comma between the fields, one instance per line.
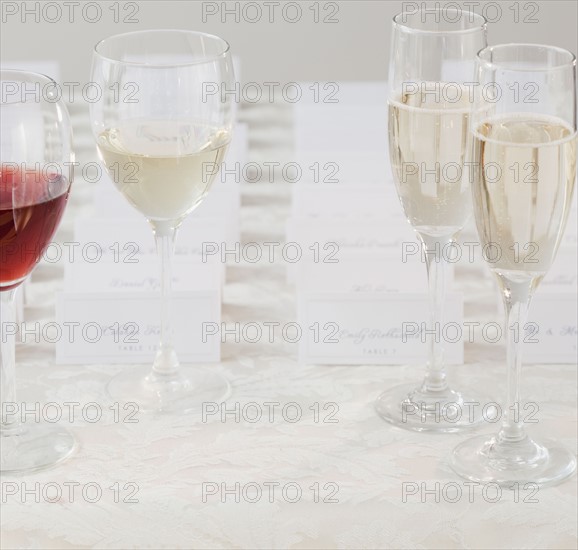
x=162, y=145
x=35, y=176
x=431, y=70
x=524, y=154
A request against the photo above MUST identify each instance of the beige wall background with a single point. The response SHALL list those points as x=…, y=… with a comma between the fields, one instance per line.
x=353, y=47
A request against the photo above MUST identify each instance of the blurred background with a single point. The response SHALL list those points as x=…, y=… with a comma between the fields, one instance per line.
x=275, y=40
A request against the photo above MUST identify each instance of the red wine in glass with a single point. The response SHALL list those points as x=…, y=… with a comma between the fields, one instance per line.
x=31, y=206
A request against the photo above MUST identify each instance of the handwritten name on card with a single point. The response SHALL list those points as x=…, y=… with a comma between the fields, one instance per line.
x=124, y=327
x=374, y=328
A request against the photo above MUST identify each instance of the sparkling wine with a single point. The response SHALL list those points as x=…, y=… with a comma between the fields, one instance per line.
x=164, y=168
x=523, y=185
x=427, y=145
x=31, y=206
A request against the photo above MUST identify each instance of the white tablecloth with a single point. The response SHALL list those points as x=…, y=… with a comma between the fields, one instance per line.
x=169, y=458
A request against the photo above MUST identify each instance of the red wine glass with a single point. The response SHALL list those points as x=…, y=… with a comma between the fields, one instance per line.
x=35, y=175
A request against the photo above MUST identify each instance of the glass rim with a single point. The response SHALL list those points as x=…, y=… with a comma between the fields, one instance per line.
x=35, y=76
x=507, y=65
x=483, y=23
x=208, y=59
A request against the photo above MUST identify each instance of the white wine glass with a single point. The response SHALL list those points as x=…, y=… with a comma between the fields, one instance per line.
x=431, y=67
x=162, y=145
x=36, y=159
x=524, y=154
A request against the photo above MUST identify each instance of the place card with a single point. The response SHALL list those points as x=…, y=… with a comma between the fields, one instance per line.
x=554, y=310
x=219, y=206
x=553, y=333
x=375, y=328
x=359, y=272
x=344, y=167
x=126, y=240
x=340, y=128
x=325, y=240
x=19, y=300
x=347, y=201
x=368, y=234
x=563, y=275
x=141, y=274
x=124, y=326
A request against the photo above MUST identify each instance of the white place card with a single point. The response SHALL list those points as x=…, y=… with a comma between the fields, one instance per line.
x=563, y=275
x=347, y=201
x=122, y=238
x=551, y=333
x=19, y=303
x=327, y=239
x=359, y=235
x=555, y=316
x=374, y=328
x=124, y=327
x=220, y=206
x=344, y=167
x=339, y=128
x=554, y=311
x=141, y=274
x=357, y=272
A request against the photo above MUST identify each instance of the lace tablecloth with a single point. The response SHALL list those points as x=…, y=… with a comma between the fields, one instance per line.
x=335, y=477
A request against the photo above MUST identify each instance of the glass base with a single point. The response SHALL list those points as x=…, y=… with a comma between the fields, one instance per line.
x=182, y=392
x=485, y=460
x=30, y=448
x=413, y=408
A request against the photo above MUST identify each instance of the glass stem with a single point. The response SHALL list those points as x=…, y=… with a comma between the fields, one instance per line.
x=516, y=296
x=9, y=420
x=435, y=378
x=166, y=361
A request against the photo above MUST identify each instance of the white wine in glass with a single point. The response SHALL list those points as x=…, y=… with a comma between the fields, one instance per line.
x=523, y=206
x=160, y=180
x=429, y=132
x=524, y=153
x=163, y=149
x=431, y=67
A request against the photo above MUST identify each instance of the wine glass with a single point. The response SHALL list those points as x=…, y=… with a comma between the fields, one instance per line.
x=524, y=154
x=35, y=176
x=431, y=67
x=162, y=142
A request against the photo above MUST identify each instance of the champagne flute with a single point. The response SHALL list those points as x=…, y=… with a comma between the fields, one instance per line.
x=35, y=177
x=162, y=145
x=524, y=154
x=431, y=67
